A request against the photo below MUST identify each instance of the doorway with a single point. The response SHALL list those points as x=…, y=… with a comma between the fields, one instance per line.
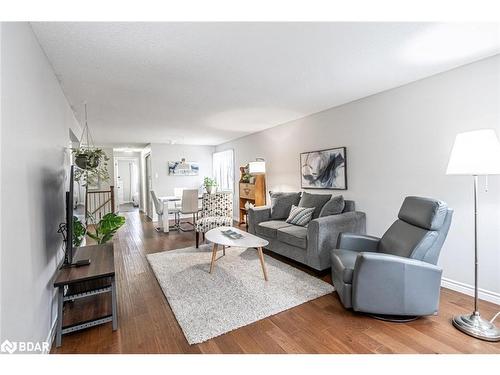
x=127, y=184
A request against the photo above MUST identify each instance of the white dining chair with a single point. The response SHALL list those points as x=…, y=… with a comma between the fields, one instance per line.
x=159, y=211
x=178, y=194
x=189, y=205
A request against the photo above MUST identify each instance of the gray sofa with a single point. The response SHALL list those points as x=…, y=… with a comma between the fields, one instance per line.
x=309, y=245
x=395, y=275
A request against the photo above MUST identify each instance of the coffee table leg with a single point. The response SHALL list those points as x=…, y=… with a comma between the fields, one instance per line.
x=223, y=250
x=214, y=254
x=261, y=257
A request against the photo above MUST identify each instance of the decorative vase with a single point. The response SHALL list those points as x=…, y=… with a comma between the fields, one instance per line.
x=210, y=189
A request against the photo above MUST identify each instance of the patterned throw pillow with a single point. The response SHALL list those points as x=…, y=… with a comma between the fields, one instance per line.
x=300, y=215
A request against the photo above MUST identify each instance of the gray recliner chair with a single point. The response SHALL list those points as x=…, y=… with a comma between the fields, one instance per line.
x=396, y=276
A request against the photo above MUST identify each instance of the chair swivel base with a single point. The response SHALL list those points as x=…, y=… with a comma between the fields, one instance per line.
x=395, y=318
x=475, y=326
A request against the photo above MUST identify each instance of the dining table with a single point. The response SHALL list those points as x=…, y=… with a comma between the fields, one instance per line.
x=164, y=201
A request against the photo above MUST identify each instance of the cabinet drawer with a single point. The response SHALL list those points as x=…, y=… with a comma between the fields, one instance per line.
x=247, y=191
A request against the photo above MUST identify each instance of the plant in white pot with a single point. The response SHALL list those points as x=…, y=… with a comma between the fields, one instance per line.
x=210, y=185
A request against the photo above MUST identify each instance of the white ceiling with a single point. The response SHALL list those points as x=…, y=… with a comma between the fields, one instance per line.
x=207, y=83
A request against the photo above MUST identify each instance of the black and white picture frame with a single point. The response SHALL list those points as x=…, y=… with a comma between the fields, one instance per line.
x=324, y=169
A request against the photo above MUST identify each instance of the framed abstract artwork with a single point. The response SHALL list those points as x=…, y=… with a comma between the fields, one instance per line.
x=183, y=168
x=324, y=169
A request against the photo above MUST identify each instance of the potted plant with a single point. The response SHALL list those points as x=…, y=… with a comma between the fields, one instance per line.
x=246, y=177
x=106, y=228
x=210, y=185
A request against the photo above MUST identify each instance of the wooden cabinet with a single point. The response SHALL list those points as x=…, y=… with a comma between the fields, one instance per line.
x=247, y=191
x=254, y=193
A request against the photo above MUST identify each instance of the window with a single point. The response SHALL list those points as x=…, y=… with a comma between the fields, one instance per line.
x=223, y=168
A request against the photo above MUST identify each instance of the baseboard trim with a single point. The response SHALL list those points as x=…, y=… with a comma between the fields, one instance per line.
x=51, y=336
x=458, y=286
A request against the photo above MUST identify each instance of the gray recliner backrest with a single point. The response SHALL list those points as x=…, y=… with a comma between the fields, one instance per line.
x=420, y=230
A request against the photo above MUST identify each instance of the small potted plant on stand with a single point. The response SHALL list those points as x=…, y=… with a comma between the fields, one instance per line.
x=210, y=185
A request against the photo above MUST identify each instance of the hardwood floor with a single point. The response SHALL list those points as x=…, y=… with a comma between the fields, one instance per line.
x=146, y=323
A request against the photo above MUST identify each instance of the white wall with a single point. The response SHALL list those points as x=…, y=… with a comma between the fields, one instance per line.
x=161, y=154
x=35, y=122
x=398, y=143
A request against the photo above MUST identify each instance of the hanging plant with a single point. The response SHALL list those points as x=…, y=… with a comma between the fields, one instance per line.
x=89, y=158
x=92, y=161
x=92, y=165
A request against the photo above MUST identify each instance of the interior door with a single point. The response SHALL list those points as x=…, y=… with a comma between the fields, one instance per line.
x=124, y=181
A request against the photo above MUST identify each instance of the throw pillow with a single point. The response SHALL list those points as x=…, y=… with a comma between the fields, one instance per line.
x=334, y=206
x=300, y=216
x=281, y=203
x=314, y=200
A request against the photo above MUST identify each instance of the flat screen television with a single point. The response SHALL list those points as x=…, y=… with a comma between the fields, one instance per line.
x=68, y=255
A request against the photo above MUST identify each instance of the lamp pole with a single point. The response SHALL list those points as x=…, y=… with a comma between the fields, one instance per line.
x=476, y=312
x=473, y=324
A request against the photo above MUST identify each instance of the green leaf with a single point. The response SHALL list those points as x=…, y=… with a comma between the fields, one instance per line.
x=107, y=227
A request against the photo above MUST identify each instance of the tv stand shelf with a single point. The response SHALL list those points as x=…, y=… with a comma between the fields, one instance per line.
x=76, y=283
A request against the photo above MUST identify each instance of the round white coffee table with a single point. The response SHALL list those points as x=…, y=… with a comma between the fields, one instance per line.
x=247, y=240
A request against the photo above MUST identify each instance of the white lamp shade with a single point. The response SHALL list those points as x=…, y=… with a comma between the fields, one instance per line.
x=257, y=167
x=475, y=153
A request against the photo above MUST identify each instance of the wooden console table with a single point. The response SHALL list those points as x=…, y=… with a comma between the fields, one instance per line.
x=80, y=282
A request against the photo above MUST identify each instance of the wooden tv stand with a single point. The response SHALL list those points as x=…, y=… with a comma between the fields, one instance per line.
x=74, y=283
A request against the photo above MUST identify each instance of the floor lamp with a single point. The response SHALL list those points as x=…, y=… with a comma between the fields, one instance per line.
x=476, y=153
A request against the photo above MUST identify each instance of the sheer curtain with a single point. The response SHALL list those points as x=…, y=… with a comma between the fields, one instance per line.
x=223, y=168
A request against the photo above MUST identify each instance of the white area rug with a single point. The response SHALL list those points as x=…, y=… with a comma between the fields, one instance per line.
x=234, y=295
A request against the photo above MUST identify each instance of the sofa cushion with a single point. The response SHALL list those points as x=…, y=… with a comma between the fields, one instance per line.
x=314, y=200
x=281, y=204
x=343, y=262
x=300, y=216
x=269, y=228
x=334, y=206
x=293, y=235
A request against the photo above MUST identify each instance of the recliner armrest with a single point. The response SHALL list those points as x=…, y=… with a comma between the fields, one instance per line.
x=257, y=215
x=357, y=242
x=389, y=284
